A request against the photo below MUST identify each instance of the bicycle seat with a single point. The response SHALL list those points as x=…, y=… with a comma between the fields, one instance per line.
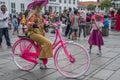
x=23, y=37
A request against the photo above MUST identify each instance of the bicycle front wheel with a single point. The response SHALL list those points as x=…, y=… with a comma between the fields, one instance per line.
x=18, y=49
x=78, y=66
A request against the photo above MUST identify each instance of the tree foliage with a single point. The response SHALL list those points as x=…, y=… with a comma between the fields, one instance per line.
x=106, y=4
x=90, y=7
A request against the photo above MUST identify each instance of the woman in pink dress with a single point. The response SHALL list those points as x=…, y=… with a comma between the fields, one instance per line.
x=117, y=23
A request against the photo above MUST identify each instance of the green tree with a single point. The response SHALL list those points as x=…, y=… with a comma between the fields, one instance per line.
x=90, y=7
x=105, y=4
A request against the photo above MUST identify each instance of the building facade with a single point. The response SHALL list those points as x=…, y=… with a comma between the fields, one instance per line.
x=53, y=5
x=60, y=5
x=116, y=4
x=15, y=5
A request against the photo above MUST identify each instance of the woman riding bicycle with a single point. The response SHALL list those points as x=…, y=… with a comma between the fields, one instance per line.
x=35, y=25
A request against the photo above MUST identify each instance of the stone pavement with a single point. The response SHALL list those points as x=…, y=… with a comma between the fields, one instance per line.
x=105, y=67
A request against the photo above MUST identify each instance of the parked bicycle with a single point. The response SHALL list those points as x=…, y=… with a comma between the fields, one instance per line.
x=71, y=59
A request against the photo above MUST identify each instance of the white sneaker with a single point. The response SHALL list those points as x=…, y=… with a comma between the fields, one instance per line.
x=99, y=53
x=42, y=65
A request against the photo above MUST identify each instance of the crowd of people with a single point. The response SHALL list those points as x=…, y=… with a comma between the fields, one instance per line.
x=17, y=20
x=75, y=22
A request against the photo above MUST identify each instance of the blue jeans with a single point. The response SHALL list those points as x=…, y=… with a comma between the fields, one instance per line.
x=4, y=31
x=70, y=32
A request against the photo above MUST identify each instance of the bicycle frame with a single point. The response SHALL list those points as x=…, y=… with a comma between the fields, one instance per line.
x=31, y=55
x=29, y=51
x=61, y=42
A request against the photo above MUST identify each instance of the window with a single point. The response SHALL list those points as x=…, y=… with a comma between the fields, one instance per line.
x=2, y=2
x=13, y=8
x=64, y=1
x=60, y=9
x=60, y=1
x=22, y=6
x=69, y=1
x=73, y=1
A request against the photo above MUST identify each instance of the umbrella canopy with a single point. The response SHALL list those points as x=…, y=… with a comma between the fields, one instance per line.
x=98, y=16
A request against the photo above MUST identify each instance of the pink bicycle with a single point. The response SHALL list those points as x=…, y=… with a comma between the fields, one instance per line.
x=71, y=59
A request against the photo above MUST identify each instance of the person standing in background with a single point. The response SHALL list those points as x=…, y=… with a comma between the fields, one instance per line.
x=112, y=12
x=68, y=28
x=105, y=29
x=23, y=21
x=74, y=25
x=82, y=23
x=15, y=24
x=19, y=17
x=4, y=17
x=117, y=23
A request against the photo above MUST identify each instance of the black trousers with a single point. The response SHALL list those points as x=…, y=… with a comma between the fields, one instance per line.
x=84, y=30
x=67, y=29
x=4, y=31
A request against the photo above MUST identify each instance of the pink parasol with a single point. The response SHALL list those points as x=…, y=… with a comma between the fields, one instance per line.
x=98, y=15
x=37, y=2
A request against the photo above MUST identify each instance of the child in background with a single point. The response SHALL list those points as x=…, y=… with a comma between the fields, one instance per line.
x=105, y=29
x=15, y=24
x=96, y=34
x=23, y=21
x=106, y=21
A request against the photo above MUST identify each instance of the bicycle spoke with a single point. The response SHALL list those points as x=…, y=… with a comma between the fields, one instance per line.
x=21, y=59
x=28, y=48
x=72, y=68
x=22, y=46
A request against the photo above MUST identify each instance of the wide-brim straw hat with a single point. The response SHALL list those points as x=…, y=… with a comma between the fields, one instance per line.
x=37, y=2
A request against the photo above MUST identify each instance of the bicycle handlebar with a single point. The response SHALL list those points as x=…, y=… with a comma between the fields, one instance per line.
x=54, y=25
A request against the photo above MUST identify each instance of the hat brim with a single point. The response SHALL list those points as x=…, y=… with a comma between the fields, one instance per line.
x=41, y=2
x=98, y=16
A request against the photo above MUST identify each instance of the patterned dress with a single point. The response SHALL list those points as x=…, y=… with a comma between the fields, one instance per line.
x=37, y=34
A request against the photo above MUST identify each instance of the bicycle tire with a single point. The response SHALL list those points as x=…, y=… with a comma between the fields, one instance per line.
x=18, y=49
x=72, y=69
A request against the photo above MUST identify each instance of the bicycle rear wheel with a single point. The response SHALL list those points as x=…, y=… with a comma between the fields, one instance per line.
x=18, y=49
x=78, y=66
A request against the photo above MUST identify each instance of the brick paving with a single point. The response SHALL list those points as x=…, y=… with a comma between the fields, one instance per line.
x=105, y=67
